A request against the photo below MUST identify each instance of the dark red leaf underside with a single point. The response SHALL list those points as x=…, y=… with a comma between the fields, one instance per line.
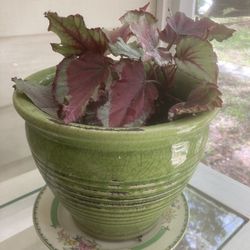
x=217, y=31
x=168, y=35
x=181, y=25
x=40, y=95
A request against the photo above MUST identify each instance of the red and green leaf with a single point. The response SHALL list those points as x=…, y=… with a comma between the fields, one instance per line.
x=131, y=97
x=146, y=34
x=133, y=16
x=78, y=81
x=148, y=37
x=195, y=57
x=144, y=26
x=203, y=98
x=76, y=38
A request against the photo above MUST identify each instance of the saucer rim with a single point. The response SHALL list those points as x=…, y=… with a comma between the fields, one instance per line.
x=44, y=239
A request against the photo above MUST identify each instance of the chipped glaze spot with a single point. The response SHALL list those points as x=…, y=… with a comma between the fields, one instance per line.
x=179, y=153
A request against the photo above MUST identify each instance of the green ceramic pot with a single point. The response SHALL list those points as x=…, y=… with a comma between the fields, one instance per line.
x=115, y=182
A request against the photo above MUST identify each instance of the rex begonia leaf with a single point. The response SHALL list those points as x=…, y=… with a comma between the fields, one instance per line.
x=130, y=50
x=131, y=97
x=181, y=25
x=77, y=81
x=147, y=35
x=162, y=75
x=196, y=58
x=40, y=95
x=133, y=16
x=144, y=26
x=76, y=38
x=183, y=84
x=165, y=74
x=203, y=98
x=122, y=32
x=169, y=36
x=144, y=8
x=217, y=31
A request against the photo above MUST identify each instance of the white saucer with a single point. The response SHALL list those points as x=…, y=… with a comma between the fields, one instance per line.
x=58, y=231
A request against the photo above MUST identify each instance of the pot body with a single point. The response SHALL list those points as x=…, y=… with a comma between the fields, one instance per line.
x=115, y=182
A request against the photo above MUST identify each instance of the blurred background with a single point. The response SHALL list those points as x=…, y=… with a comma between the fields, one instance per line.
x=229, y=142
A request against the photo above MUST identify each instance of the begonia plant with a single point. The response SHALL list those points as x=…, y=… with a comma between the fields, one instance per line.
x=133, y=75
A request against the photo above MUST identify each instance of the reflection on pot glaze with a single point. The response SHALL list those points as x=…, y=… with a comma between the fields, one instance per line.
x=179, y=153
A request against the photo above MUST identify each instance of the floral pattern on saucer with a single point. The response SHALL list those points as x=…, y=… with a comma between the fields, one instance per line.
x=58, y=231
x=76, y=243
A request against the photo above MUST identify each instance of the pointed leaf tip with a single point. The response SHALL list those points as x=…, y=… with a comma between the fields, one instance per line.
x=76, y=38
x=133, y=16
x=144, y=8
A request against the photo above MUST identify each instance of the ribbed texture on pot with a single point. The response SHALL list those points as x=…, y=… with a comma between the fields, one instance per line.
x=117, y=205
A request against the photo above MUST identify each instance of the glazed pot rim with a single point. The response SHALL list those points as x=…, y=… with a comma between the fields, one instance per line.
x=36, y=117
